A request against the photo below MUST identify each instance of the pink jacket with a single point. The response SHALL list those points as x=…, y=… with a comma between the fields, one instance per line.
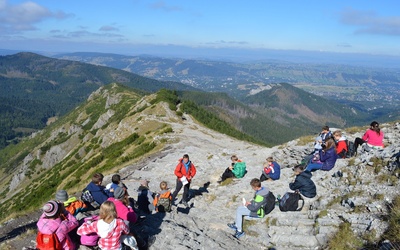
x=123, y=212
x=373, y=139
x=60, y=227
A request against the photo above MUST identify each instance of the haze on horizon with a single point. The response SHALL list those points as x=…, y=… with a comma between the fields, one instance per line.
x=229, y=29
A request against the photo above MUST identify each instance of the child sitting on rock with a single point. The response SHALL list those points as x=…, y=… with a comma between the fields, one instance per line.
x=56, y=220
x=162, y=201
x=271, y=170
x=71, y=204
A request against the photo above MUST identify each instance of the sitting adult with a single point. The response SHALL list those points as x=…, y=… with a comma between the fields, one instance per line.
x=327, y=157
x=303, y=182
x=341, y=144
x=271, y=170
x=236, y=169
x=373, y=137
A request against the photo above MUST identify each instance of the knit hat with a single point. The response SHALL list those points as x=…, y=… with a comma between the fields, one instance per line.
x=50, y=208
x=144, y=183
x=62, y=195
x=119, y=193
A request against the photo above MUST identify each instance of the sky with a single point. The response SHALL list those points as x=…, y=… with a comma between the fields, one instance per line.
x=138, y=26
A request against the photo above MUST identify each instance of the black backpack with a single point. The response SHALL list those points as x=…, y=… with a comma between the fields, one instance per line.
x=350, y=149
x=290, y=202
x=270, y=203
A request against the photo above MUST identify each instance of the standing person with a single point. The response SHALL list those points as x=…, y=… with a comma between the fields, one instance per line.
x=373, y=137
x=327, y=157
x=55, y=219
x=253, y=208
x=184, y=171
x=109, y=227
x=99, y=193
x=236, y=169
x=271, y=170
x=303, y=182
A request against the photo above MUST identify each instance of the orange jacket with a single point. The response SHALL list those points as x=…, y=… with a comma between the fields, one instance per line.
x=74, y=206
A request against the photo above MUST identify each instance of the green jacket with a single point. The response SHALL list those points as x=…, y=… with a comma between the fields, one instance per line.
x=239, y=169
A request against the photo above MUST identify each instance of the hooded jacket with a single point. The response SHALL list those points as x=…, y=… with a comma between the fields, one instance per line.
x=256, y=205
x=304, y=184
x=123, y=212
x=328, y=158
x=110, y=233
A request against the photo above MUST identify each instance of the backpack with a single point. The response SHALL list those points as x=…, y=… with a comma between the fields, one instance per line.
x=290, y=202
x=92, y=238
x=350, y=149
x=88, y=198
x=270, y=205
x=48, y=242
x=164, y=202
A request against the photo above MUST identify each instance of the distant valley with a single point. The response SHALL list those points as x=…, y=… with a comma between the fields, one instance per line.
x=376, y=90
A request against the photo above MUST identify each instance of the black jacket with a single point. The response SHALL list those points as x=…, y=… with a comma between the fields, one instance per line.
x=304, y=184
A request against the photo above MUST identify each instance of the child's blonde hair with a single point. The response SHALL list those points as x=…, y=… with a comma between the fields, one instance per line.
x=108, y=212
x=266, y=164
x=163, y=185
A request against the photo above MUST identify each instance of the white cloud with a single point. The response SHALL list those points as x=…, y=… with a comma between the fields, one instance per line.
x=161, y=5
x=25, y=16
x=368, y=22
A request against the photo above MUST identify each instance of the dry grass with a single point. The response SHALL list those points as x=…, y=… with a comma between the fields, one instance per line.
x=344, y=238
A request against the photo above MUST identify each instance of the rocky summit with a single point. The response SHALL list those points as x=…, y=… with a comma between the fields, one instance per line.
x=359, y=195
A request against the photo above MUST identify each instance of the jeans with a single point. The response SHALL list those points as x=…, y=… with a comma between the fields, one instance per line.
x=240, y=212
x=313, y=166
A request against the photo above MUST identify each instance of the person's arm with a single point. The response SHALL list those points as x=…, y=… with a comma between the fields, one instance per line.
x=366, y=135
x=295, y=185
x=178, y=170
x=256, y=203
x=193, y=170
x=87, y=228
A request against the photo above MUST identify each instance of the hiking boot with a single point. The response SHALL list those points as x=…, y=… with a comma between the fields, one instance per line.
x=232, y=226
x=239, y=234
x=185, y=203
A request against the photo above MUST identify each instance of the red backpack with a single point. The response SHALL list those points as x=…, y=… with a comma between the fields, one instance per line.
x=48, y=242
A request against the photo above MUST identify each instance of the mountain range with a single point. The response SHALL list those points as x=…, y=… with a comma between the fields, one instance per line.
x=34, y=89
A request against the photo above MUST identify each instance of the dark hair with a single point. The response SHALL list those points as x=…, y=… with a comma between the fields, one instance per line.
x=255, y=183
x=330, y=143
x=375, y=127
x=186, y=156
x=116, y=179
x=325, y=128
x=300, y=167
x=97, y=177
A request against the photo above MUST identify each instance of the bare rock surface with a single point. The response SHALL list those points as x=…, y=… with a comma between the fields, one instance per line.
x=203, y=224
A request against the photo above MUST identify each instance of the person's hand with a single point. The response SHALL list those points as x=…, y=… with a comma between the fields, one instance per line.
x=247, y=203
x=230, y=167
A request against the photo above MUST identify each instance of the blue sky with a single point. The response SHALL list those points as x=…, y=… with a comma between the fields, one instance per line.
x=122, y=26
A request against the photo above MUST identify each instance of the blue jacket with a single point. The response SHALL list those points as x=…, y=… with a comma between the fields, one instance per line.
x=277, y=171
x=304, y=184
x=328, y=158
x=99, y=194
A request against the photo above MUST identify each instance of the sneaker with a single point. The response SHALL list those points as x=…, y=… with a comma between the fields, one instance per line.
x=239, y=234
x=185, y=203
x=232, y=226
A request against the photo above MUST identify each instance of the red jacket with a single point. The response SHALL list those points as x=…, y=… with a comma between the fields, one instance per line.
x=180, y=170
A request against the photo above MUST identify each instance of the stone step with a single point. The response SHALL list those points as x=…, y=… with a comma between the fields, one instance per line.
x=299, y=241
x=291, y=230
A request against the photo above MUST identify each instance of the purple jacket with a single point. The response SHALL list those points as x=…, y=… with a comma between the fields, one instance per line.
x=60, y=227
x=328, y=158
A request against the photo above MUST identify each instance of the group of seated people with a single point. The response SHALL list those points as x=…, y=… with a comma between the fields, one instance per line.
x=327, y=149
x=113, y=224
